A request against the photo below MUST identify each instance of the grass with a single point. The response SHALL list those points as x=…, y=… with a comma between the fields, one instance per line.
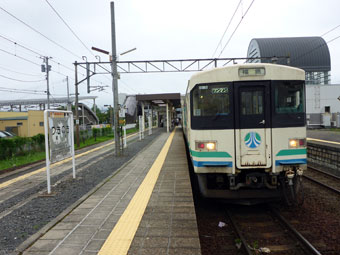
x=36, y=156
x=22, y=160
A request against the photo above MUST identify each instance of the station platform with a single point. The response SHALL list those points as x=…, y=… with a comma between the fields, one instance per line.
x=325, y=137
x=146, y=207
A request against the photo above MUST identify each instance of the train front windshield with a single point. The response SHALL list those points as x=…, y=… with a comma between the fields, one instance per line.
x=288, y=104
x=211, y=100
x=211, y=106
x=289, y=98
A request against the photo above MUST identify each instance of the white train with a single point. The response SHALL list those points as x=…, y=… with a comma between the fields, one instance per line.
x=245, y=127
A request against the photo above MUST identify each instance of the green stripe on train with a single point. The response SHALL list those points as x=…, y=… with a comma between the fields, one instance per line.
x=210, y=154
x=292, y=152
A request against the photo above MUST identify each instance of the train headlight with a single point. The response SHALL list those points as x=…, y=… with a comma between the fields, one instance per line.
x=211, y=146
x=205, y=146
x=293, y=143
x=297, y=143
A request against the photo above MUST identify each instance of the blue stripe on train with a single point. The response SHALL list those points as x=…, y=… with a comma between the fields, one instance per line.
x=212, y=163
x=290, y=161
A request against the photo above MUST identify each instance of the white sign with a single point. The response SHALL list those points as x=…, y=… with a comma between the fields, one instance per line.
x=59, y=137
x=59, y=140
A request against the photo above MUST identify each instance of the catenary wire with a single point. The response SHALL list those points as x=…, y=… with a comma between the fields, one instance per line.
x=12, y=71
x=231, y=36
x=35, y=30
x=225, y=31
x=13, y=79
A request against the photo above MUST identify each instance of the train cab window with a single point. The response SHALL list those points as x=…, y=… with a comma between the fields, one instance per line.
x=289, y=98
x=288, y=104
x=210, y=100
x=210, y=106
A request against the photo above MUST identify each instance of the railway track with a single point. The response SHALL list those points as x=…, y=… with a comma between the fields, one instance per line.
x=324, y=179
x=264, y=230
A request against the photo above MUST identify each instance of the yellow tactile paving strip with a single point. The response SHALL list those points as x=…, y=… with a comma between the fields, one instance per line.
x=22, y=177
x=322, y=141
x=119, y=241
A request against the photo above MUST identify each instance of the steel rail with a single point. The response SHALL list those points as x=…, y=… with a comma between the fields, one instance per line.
x=322, y=184
x=325, y=173
x=239, y=233
x=296, y=233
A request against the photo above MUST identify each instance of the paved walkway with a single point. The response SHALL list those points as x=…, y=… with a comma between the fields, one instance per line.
x=168, y=225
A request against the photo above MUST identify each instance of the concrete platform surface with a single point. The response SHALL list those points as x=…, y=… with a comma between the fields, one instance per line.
x=167, y=221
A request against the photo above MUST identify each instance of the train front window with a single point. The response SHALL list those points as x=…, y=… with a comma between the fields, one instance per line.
x=211, y=100
x=251, y=102
x=289, y=98
x=211, y=106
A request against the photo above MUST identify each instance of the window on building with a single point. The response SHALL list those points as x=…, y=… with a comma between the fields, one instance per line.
x=41, y=123
x=327, y=109
x=19, y=123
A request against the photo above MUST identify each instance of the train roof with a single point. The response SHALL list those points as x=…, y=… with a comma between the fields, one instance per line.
x=231, y=74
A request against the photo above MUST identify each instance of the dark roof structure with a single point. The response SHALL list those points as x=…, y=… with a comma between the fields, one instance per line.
x=161, y=99
x=308, y=53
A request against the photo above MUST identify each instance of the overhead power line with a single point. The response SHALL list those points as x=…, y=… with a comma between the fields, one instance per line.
x=55, y=11
x=231, y=36
x=225, y=31
x=13, y=79
x=38, y=32
x=330, y=30
x=314, y=49
x=20, y=57
x=9, y=70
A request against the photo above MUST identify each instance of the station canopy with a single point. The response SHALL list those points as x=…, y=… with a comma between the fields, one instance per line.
x=308, y=53
x=161, y=99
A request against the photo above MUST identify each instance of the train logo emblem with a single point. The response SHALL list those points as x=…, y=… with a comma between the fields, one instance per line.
x=252, y=140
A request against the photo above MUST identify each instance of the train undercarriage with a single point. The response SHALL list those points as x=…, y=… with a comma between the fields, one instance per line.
x=254, y=185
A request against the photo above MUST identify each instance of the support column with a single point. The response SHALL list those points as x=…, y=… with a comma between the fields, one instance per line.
x=167, y=117
x=143, y=120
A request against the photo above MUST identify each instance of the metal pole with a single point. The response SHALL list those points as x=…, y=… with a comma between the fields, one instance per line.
x=47, y=153
x=72, y=145
x=77, y=113
x=48, y=84
x=114, y=80
x=69, y=108
x=167, y=117
x=143, y=120
x=140, y=126
x=125, y=145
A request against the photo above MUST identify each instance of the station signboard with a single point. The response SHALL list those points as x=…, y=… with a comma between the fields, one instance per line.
x=59, y=137
x=59, y=140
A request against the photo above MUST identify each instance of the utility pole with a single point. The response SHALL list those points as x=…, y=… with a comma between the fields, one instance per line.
x=77, y=113
x=47, y=68
x=114, y=80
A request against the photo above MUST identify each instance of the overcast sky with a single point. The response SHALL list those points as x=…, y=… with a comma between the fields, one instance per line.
x=159, y=29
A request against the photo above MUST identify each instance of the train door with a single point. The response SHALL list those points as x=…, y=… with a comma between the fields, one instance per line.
x=252, y=124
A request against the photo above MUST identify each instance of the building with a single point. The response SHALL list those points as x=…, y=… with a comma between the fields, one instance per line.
x=25, y=124
x=308, y=53
x=312, y=55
